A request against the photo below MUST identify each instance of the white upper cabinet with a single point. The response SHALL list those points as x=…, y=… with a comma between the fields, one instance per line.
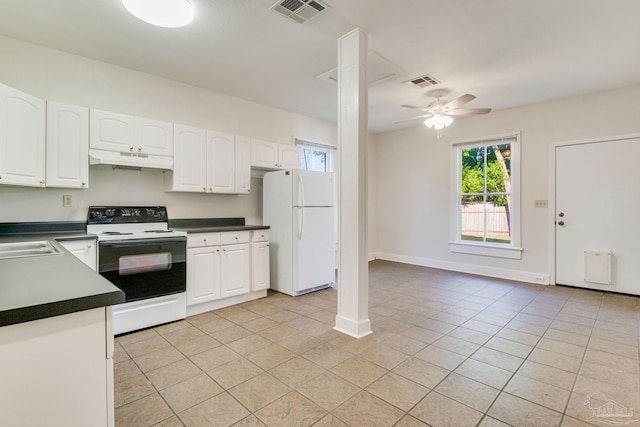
x=154, y=137
x=264, y=154
x=129, y=134
x=22, y=138
x=209, y=162
x=243, y=165
x=289, y=156
x=269, y=155
x=221, y=154
x=67, y=161
x=111, y=131
x=189, y=160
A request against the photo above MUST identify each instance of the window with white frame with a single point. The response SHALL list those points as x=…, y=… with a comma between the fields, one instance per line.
x=487, y=197
x=316, y=156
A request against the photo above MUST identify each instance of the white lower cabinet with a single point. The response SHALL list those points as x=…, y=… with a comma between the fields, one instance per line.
x=85, y=250
x=56, y=371
x=203, y=274
x=260, y=260
x=218, y=266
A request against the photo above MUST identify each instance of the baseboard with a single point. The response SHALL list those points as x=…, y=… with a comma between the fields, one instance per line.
x=352, y=327
x=482, y=270
x=192, y=310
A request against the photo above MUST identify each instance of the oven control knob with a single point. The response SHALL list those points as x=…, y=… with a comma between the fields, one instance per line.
x=109, y=212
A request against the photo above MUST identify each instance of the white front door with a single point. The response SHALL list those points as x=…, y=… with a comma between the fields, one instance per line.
x=597, y=213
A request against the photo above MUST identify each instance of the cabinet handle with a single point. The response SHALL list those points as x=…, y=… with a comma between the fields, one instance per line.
x=139, y=149
x=84, y=184
x=204, y=240
x=210, y=189
x=0, y=176
x=204, y=189
x=130, y=148
x=249, y=190
x=42, y=183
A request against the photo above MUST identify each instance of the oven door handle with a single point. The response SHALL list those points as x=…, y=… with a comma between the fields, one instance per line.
x=139, y=242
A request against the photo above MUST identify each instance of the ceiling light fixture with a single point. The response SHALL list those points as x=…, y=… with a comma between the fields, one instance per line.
x=162, y=13
x=438, y=121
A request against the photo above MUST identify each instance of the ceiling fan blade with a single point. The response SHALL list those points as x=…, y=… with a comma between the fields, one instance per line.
x=468, y=111
x=416, y=108
x=414, y=118
x=461, y=100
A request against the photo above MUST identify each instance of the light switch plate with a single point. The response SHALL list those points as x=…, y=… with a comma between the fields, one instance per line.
x=67, y=201
x=541, y=203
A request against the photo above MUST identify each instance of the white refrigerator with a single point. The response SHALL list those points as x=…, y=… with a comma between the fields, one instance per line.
x=299, y=207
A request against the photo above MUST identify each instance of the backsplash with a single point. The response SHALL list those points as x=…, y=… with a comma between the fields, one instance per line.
x=108, y=186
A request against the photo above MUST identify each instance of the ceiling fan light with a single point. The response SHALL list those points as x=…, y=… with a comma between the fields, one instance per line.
x=162, y=13
x=438, y=121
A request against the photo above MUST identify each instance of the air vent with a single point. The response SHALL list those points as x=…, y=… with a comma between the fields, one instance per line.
x=300, y=11
x=422, y=81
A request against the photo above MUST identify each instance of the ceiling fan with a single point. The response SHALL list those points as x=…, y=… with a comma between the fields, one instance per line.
x=439, y=112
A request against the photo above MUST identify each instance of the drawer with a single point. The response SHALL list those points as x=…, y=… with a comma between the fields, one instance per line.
x=233, y=237
x=199, y=240
x=260, y=235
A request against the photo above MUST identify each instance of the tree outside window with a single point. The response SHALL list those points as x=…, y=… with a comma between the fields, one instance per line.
x=485, y=194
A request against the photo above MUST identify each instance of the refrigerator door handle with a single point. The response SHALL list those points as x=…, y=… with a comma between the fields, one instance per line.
x=301, y=206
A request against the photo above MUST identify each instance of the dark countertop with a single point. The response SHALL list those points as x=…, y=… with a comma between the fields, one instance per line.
x=212, y=225
x=39, y=287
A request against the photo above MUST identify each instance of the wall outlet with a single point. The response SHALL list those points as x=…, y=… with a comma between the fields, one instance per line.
x=541, y=203
x=540, y=279
x=67, y=202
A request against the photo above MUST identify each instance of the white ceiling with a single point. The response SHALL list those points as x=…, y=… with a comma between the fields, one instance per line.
x=506, y=52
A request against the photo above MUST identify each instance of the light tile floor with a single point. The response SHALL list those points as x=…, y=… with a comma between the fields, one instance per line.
x=448, y=349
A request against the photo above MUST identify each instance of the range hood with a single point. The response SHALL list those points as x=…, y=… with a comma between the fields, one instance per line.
x=130, y=160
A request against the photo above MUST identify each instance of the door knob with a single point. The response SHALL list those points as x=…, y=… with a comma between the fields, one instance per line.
x=561, y=223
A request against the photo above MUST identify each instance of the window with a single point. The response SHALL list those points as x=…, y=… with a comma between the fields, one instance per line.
x=315, y=156
x=486, y=202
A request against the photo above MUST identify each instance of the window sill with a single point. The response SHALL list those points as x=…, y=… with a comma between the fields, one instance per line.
x=486, y=250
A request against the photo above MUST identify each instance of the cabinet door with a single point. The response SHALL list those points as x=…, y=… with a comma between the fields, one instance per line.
x=203, y=274
x=22, y=138
x=221, y=162
x=84, y=250
x=190, y=160
x=111, y=131
x=67, y=146
x=153, y=137
x=260, y=266
x=235, y=269
x=264, y=154
x=243, y=165
x=289, y=156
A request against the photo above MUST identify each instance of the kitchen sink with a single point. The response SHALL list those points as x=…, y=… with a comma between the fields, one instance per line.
x=28, y=249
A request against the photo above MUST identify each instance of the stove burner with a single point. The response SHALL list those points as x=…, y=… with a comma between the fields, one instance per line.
x=114, y=233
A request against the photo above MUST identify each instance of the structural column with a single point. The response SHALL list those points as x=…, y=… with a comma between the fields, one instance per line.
x=353, y=276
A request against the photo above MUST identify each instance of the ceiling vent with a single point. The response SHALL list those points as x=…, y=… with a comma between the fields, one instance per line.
x=300, y=11
x=422, y=81
x=378, y=70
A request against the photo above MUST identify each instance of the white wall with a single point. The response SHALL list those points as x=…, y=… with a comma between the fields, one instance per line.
x=413, y=179
x=58, y=76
